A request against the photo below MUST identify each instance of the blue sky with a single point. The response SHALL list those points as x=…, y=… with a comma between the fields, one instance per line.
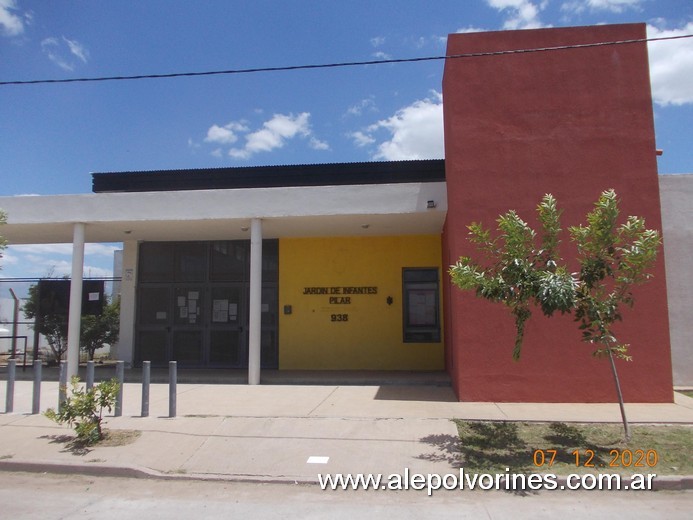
x=53, y=136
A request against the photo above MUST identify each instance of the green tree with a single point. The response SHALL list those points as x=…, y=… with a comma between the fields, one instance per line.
x=523, y=269
x=51, y=325
x=83, y=409
x=99, y=330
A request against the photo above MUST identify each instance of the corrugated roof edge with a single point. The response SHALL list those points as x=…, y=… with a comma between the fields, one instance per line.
x=382, y=172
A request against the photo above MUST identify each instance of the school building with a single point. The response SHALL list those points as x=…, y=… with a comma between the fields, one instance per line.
x=344, y=266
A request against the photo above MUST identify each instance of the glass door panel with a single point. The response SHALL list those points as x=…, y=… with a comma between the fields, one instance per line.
x=268, y=338
x=153, y=308
x=225, y=348
x=187, y=347
x=227, y=343
x=152, y=346
x=153, y=321
x=189, y=315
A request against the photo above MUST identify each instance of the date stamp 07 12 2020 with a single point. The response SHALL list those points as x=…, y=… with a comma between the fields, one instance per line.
x=586, y=458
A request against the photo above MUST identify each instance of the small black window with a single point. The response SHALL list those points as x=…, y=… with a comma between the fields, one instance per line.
x=191, y=261
x=421, y=309
x=156, y=261
x=229, y=260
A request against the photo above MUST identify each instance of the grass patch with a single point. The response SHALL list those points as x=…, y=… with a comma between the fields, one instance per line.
x=113, y=438
x=689, y=393
x=491, y=447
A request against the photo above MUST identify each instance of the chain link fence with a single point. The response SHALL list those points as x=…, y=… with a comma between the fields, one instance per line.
x=19, y=332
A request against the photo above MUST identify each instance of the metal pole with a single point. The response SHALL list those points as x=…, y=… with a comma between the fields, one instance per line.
x=38, y=322
x=11, y=374
x=36, y=401
x=14, y=323
x=62, y=385
x=90, y=375
x=146, y=378
x=172, y=378
x=120, y=376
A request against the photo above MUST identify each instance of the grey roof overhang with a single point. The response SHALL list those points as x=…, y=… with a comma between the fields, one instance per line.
x=338, y=174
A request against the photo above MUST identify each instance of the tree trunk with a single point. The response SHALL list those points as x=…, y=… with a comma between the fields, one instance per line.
x=621, y=405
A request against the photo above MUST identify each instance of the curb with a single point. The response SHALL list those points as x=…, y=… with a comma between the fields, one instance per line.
x=663, y=483
x=140, y=472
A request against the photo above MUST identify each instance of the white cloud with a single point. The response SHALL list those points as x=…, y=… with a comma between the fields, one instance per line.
x=37, y=260
x=377, y=41
x=275, y=133
x=92, y=249
x=615, y=6
x=380, y=55
x=362, y=139
x=317, y=144
x=77, y=49
x=10, y=23
x=420, y=42
x=63, y=51
x=524, y=14
x=415, y=132
x=8, y=259
x=671, y=66
x=227, y=134
x=367, y=104
x=465, y=30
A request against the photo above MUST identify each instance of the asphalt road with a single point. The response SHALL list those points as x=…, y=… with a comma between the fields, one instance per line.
x=51, y=496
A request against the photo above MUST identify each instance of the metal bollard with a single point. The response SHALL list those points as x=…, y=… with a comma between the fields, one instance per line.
x=62, y=385
x=120, y=376
x=90, y=375
x=146, y=378
x=11, y=375
x=172, y=378
x=36, y=401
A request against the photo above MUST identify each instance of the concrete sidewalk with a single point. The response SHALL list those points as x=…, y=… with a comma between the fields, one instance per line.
x=283, y=433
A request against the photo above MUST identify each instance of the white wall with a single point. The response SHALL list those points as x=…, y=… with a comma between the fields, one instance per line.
x=676, y=193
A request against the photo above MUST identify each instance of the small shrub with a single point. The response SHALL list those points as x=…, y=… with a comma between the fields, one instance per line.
x=83, y=409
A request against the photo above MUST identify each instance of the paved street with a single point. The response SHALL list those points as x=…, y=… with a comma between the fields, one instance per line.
x=48, y=497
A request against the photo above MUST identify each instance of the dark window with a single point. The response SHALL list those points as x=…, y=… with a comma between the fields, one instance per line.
x=156, y=261
x=191, y=261
x=228, y=260
x=270, y=261
x=421, y=312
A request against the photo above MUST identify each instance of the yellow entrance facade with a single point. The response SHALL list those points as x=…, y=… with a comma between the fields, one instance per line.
x=342, y=303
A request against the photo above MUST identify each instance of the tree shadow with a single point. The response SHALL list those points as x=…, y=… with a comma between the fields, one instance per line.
x=567, y=439
x=488, y=446
x=70, y=444
x=499, y=448
x=482, y=447
x=447, y=449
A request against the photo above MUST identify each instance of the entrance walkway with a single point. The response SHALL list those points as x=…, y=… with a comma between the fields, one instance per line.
x=212, y=376
x=276, y=432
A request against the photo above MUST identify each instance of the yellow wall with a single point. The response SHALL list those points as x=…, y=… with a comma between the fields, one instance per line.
x=371, y=337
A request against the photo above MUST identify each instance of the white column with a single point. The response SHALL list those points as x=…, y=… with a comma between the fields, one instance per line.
x=75, y=314
x=255, y=305
x=125, y=351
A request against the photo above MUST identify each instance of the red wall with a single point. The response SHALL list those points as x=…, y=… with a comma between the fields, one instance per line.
x=568, y=122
